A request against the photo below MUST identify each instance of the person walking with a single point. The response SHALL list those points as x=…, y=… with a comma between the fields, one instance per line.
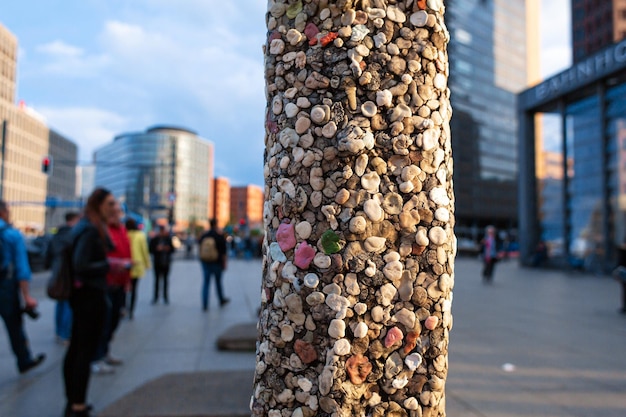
x=489, y=253
x=54, y=253
x=213, y=257
x=141, y=260
x=118, y=282
x=15, y=278
x=88, y=298
x=161, y=248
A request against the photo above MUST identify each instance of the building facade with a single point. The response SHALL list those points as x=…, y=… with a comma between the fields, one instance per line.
x=221, y=201
x=246, y=206
x=573, y=177
x=25, y=141
x=164, y=173
x=61, y=191
x=8, y=65
x=491, y=60
x=596, y=24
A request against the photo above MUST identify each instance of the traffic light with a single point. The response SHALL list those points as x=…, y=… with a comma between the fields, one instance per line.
x=46, y=165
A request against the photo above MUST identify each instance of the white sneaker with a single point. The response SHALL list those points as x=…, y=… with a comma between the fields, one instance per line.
x=101, y=368
x=113, y=361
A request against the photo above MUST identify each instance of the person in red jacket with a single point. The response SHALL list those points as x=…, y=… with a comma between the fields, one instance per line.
x=118, y=283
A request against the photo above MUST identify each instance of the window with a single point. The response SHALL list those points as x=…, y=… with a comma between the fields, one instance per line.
x=463, y=36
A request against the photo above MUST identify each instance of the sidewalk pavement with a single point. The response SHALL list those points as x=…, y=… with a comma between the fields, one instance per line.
x=535, y=343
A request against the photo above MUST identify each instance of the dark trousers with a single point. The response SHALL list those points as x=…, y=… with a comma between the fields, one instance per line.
x=488, y=267
x=161, y=274
x=133, y=296
x=89, y=308
x=623, y=296
x=10, y=310
x=116, y=297
x=210, y=269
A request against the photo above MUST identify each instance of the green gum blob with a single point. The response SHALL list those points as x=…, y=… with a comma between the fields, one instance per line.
x=330, y=242
x=294, y=9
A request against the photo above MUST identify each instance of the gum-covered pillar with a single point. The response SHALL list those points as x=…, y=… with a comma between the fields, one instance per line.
x=359, y=252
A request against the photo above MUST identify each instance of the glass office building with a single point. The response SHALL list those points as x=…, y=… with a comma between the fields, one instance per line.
x=488, y=67
x=573, y=175
x=163, y=173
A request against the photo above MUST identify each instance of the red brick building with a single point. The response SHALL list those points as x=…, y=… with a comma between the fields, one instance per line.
x=246, y=205
x=221, y=201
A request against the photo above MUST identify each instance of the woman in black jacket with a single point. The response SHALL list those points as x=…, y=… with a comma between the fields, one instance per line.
x=88, y=300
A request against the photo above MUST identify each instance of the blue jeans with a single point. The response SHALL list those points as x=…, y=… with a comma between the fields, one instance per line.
x=10, y=310
x=210, y=269
x=63, y=320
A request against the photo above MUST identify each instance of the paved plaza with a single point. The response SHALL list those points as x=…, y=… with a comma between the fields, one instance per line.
x=535, y=343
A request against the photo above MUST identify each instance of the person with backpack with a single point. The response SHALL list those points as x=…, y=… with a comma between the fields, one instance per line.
x=61, y=240
x=213, y=257
x=15, y=277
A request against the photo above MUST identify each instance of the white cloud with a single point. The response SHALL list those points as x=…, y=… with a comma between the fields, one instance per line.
x=89, y=128
x=69, y=61
x=209, y=66
x=60, y=49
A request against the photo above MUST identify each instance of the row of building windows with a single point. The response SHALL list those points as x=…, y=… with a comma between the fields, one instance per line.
x=8, y=44
x=7, y=69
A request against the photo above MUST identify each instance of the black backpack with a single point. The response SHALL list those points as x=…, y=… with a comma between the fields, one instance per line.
x=60, y=282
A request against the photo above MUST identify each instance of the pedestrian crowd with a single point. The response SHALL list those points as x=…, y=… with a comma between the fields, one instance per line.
x=109, y=255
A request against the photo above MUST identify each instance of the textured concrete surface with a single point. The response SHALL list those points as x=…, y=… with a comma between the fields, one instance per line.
x=535, y=343
x=192, y=394
x=240, y=337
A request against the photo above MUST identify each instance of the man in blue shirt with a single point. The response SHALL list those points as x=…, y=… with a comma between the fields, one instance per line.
x=13, y=282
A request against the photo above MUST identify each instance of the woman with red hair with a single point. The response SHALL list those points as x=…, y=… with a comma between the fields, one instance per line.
x=91, y=243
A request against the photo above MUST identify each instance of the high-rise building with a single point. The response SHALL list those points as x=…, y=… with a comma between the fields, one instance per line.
x=494, y=54
x=61, y=192
x=163, y=173
x=596, y=24
x=221, y=201
x=26, y=142
x=8, y=65
x=246, y=206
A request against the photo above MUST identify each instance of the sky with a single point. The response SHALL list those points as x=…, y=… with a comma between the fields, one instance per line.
x=97, y=68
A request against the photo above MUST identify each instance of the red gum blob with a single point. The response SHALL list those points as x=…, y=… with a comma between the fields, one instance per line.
x=311, y=32
x=393, y=335
x=431, y=322
x=286, y=236
x=325, y=40
x=410, y=342
x=274, y=35
x=358, y=367
x=305, y=351
x=304, y=255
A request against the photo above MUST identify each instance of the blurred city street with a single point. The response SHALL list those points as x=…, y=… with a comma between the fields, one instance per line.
x=535, y=343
